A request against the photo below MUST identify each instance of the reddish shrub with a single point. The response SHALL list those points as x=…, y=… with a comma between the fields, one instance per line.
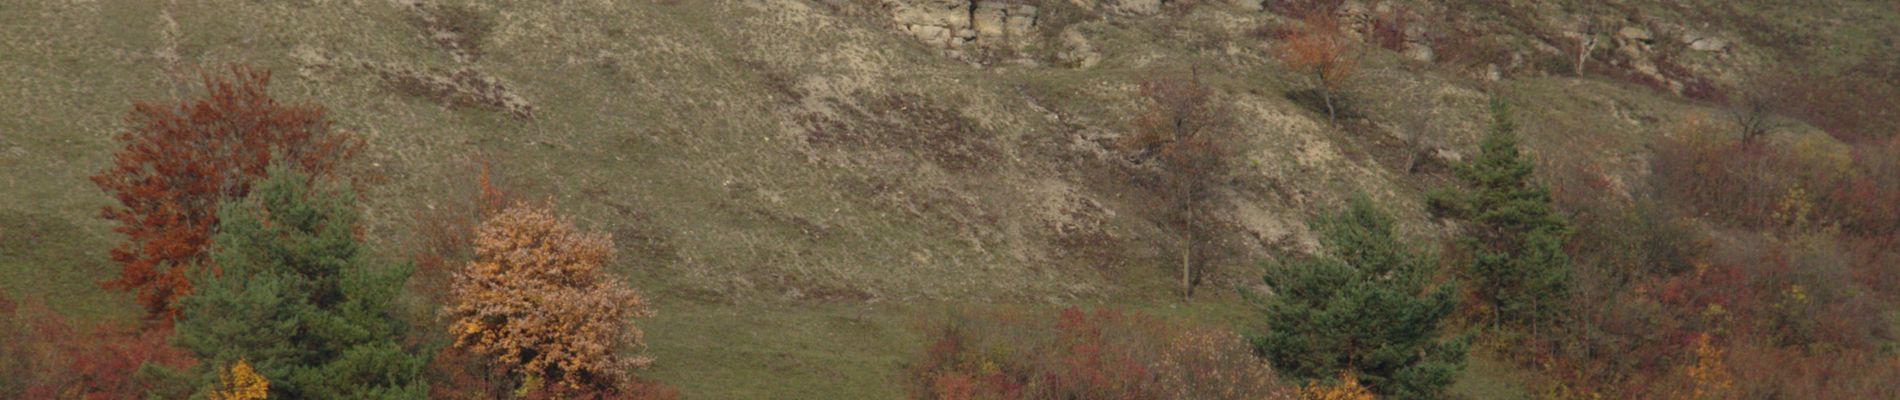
x=47, y=358
x=1855, y=105
x=1791, y=283
x=1091, y=355
x=1388, y=28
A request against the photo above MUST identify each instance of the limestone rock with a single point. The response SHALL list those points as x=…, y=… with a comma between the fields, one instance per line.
x=957, y=23
x=1634, y=33
x=1136, y=7
x=1709, y=44
x=1076, y=50
x=1419, y=52
x=1700, y=42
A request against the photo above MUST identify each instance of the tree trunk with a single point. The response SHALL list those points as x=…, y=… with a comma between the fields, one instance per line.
x=1326, y=93
x=1187, y=254
x=1332, y=114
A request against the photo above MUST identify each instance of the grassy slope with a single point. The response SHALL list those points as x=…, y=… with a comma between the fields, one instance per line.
x=781, y=268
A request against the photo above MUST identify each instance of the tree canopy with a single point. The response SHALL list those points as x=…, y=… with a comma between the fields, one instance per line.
x=295, y=297
x=1367, y=308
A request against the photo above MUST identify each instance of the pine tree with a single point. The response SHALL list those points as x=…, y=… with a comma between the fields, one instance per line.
x=1366, y=308
x=292, y=293
x=1512, y=234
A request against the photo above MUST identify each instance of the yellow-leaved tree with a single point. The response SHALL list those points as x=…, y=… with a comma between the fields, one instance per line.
x=240, y=382
x=537, y=305
x=1347, y=388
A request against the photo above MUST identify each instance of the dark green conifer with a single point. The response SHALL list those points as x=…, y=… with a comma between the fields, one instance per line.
x=1512, y=235
x=1366, y=306
x=297, y=298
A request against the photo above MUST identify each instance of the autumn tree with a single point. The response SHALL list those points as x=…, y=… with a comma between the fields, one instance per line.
x=299, y=299
x=536, y=303
x=179, y=162
x=1512, y=234
x=1182, y=134
x=444, y=242
x=1346, y=388
x=240, y=382
x=445, y=233
x=1320, y=48
x=1707, y=377
x=1366, y=308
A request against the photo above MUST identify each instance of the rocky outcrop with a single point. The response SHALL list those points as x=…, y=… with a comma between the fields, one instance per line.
x=960, y=23
x=1136, y=7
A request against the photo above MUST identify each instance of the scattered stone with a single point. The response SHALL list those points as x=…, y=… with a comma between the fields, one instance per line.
x=1076, y=50
x=1419, y=52
x=1634, y=33
x=1136, y=7
x=1709, y=44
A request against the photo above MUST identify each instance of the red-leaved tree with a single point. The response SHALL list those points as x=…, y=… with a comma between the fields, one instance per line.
x=181, y=161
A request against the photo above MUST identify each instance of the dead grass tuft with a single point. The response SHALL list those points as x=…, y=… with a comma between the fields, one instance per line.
x=456, y=28
x=462, y=87
x=906, y=122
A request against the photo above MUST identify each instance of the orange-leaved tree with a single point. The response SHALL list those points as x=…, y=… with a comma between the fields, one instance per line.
x=536, y=303
x=180, y=161
x=1320, y=48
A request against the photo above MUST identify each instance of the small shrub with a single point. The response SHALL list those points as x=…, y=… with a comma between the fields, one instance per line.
x=456, y=28
x=1088, y=355
x=45, y=357
x=465, y=87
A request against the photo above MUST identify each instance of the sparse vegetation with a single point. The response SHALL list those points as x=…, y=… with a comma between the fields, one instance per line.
x=798, y=182
x=1086, y=355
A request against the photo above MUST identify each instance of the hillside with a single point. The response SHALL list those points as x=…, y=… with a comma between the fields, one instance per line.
x=795, y=184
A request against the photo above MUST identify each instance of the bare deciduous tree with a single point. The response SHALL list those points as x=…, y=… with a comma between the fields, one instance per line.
x=1752, y=108
x=1586, y=42
x=1184, y=131
x=1415, y=126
